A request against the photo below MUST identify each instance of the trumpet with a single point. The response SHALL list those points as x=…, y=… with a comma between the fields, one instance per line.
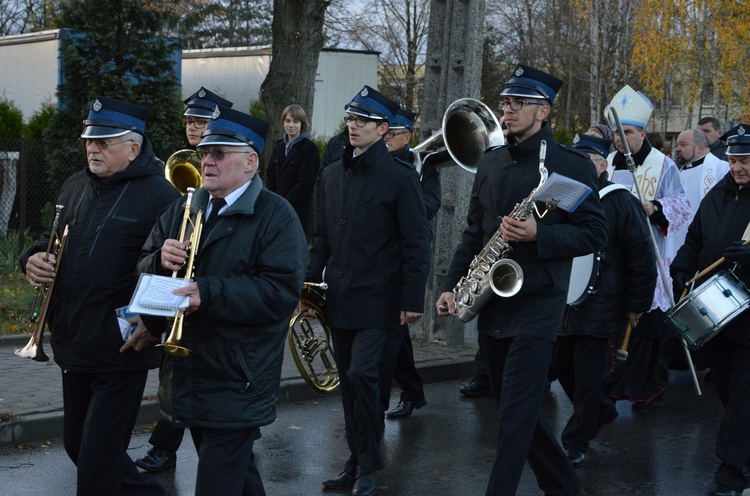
x=183, y=170
x=172, y=345
x=311, y=350
x=34, y=349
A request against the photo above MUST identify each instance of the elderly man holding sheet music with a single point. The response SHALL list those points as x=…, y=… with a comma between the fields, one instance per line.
x=249, y=269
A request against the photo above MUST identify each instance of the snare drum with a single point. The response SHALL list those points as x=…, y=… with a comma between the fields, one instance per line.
x=707, y=309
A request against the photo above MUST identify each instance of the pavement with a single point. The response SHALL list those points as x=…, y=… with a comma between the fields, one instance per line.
x=31, y=404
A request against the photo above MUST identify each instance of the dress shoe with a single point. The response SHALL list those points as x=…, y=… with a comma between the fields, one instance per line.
x=475, y=389
x=405, y=408
x=640, y=405
x=344, y=480
x=157, y=460
x=365, y=485
x=720, y=490
x=576, y=458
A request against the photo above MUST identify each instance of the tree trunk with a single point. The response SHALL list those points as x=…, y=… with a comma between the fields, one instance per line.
x=454, y=69
x=297, y=41
x=8, y=161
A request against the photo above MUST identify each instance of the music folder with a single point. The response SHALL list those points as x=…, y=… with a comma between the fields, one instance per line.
x=154, y=295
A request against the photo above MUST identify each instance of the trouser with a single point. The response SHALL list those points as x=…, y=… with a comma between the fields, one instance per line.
x=166, y=436
x=358, y=352
x=730, y=366
x=579, y=363
x=398, y=365
x=517, y=368
x=100, y=412
x=226, y=462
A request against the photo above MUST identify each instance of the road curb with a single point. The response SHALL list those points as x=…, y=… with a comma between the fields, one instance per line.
x=45, y=426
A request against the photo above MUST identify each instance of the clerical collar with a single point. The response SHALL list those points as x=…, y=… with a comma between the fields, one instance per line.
x=620, y=163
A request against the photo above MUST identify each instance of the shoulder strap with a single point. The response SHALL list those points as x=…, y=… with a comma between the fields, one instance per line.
x=608, y=189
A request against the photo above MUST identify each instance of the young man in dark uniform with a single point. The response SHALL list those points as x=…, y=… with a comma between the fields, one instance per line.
x=372, y=239
x=719, y=226
x=517, y=333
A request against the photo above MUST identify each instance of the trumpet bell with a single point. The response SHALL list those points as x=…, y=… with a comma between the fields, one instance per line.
x=183, y=170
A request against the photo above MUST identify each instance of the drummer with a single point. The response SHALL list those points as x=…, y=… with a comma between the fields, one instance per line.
x=719, y=226
x=624, y=290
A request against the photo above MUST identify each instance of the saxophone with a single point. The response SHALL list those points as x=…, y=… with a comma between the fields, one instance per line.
x=491, y=269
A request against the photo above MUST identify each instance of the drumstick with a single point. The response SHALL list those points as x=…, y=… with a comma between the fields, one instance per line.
x=708, y=269
x=622, y=353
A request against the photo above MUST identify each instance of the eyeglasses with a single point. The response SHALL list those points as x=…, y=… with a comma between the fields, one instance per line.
x=100, y=143
x=196, y=123
x=392, y=135
x=216, y=153
x=358, y=120
x=516, y=104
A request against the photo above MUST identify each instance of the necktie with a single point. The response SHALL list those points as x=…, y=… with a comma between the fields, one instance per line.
x=216, y=205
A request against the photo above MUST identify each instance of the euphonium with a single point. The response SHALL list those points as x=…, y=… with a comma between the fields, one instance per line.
x=172, y=345
x=312, y=351
x=34, y=349
x=491, y=268
x=183, y=170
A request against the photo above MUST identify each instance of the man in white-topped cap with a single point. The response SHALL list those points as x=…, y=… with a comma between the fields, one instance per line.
x=720, y=225
x=109, y=207
x=668, y=209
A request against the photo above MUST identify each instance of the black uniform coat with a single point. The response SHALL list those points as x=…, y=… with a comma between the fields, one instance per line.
x=627, y=270
x=722, y=218
x=429, y=180
x=293, y=176
x=373, y=240
x=249, y=271
x=505, y=176
x=109, y=221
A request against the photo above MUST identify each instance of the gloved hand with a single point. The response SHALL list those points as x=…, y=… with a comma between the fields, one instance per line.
x=738, y=252
x=679, y=281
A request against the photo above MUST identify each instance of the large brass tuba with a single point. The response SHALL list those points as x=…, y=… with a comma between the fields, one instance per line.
x=183, y=170
x=310, y=343
x=469, y=129
x=34, y=349
x=172, y=345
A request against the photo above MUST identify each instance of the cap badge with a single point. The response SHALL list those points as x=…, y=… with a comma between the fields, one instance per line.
x=363, y=93
x=97, y=106
x=577, y=139
x=202, y=93
x=216, y=113
x=740, y=130
x=519, y=72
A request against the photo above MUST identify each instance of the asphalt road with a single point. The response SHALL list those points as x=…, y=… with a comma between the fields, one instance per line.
x=446, y=448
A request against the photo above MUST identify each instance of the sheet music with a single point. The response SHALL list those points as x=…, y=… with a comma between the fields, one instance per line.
x=564, y=192
x=154, y=295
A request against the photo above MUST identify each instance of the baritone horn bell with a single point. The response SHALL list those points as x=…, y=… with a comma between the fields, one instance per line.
x=469, y=129
x=183, y=170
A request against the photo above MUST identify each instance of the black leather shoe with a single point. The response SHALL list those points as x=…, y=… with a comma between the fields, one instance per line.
x=475, y=389
x=344, y=480
x=720, y=490
x=405, y=408
x=576, y=458
x=157, y=460
x=365, y=485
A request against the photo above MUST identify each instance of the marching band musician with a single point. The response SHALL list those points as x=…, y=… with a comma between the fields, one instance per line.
x=722, y=221
x=248, y=276
x=398, y=356
x=110, y=208
x=517, y=333
x=639, y=379
x=623, y=290
x=372, y=239
x=166, y=438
